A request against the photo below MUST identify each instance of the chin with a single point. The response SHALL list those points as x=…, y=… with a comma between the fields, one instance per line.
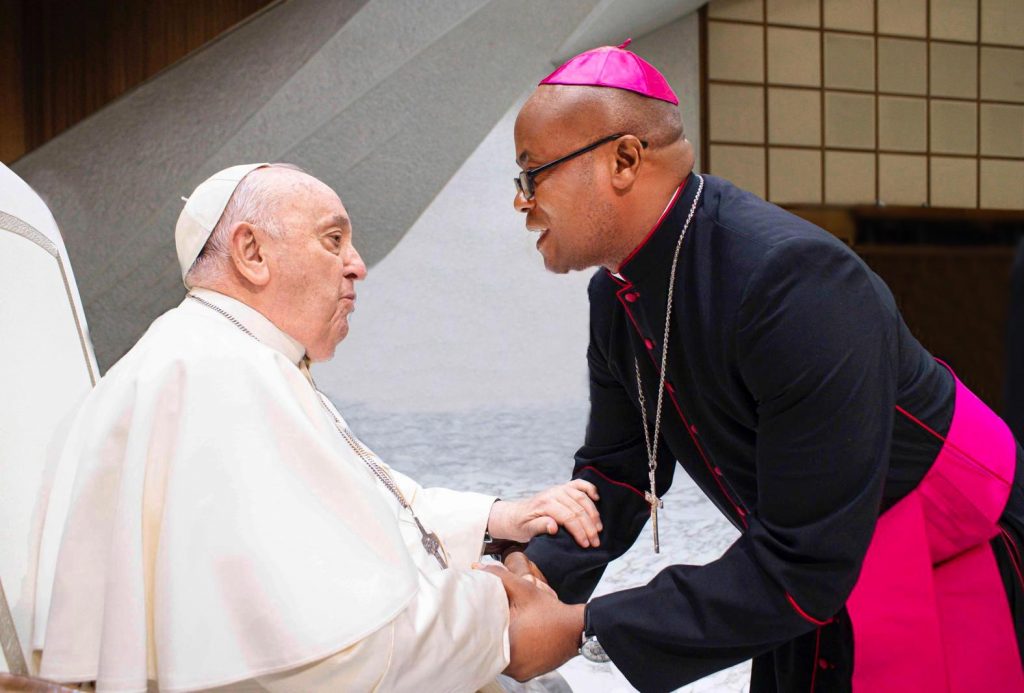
x=321, y=355
x=552, y=265
x=556, y=267
x=325, y=351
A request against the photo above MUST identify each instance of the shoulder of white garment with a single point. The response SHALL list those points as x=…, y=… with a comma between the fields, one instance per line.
x=213, y=304
x=199, y=334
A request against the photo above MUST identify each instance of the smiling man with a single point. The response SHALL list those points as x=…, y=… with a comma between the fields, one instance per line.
x=227, y=528
x=880, y=503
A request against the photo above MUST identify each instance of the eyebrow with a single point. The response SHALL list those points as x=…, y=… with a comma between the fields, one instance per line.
x=340, y=220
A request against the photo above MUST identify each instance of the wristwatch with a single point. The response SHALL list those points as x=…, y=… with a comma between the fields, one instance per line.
x=590, y=648
x=499, y=548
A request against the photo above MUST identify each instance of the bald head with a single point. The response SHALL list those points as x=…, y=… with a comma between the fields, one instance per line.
x=587, y=113
x=558, y=114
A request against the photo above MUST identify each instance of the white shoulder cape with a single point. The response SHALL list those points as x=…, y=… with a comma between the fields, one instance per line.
x=212, y=487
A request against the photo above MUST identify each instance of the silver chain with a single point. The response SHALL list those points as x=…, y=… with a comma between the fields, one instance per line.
x=229, y=316
x=652, y=452
x=430, y=541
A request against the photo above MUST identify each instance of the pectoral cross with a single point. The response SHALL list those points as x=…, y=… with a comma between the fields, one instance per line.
x=431, y=543
x=655, y=504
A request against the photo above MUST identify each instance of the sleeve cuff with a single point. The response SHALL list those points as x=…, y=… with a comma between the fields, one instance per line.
x=460, y=520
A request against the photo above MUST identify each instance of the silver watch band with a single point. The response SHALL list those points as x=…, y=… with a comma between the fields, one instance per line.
x=592, y=651
x=590, y=648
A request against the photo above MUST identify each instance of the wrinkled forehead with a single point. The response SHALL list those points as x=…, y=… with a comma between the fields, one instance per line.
x=325, y=209
x=300, y=185
x=330, y=213
x=299, y=193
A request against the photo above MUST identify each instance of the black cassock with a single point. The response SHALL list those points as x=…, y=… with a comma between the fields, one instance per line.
x=787, y=359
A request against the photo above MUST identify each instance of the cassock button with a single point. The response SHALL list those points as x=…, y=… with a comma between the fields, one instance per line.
x=671, y=390
x=632, y=296
x=693, y=429
x=718, y=471
x=649, y=344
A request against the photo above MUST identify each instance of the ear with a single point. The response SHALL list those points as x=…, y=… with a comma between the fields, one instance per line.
x=247, y=256
x=629, y=153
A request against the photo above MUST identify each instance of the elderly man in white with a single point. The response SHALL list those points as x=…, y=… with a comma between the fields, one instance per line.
x=226, y=526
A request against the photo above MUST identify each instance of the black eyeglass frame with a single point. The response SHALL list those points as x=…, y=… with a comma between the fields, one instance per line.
x=524, y=181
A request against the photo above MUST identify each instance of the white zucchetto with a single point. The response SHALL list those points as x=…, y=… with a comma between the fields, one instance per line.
x=203, y=209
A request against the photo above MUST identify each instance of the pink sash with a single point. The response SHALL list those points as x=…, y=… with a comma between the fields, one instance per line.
x=929, y=610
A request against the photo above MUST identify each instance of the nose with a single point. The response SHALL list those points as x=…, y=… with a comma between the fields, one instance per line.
x=355, y=268
x=521, y=203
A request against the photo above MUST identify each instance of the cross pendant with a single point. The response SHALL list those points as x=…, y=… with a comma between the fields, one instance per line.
x=431, y=543
x=655, y=504
x=433, y=546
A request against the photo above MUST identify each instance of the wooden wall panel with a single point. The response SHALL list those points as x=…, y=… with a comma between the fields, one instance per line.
x=955, y=300
x=78, y=56
x=12, y=107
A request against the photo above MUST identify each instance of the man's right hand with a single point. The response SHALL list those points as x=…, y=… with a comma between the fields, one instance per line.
x=543, y=632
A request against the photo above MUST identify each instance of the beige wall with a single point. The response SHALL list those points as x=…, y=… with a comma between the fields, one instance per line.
x=904, y=102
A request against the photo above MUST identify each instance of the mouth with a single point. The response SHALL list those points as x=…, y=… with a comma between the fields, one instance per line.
x=543, y=235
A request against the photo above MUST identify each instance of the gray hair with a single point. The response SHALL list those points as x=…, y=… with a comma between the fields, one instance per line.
x=254, y=201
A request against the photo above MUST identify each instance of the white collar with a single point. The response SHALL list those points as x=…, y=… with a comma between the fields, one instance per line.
x=267, y=332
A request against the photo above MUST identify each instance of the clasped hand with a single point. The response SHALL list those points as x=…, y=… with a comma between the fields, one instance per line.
x=543, y=631
x=570, y=505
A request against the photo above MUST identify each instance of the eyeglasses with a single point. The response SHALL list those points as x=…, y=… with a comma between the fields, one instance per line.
x=524, y=181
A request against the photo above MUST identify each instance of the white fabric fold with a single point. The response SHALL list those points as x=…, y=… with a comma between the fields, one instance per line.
x=220, y=530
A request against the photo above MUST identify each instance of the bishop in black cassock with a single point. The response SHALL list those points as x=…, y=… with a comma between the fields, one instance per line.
x=879, y=501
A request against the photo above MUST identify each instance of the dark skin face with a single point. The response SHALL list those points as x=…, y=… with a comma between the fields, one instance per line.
x=592, y=210
x=568, y=210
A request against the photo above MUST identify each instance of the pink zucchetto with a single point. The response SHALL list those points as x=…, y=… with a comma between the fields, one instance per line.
x=614, y=67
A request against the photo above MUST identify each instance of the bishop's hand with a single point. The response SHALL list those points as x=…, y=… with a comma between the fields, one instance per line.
x=543, y=632
x=570, y=505
x=519, y=564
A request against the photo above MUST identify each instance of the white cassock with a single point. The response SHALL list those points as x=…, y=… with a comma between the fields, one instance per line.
x=221, y=531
